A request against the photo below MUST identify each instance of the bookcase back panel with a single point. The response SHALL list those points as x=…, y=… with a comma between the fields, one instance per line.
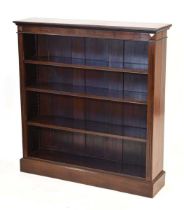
x=136, y=54
x=88, y=51
x=88, y=150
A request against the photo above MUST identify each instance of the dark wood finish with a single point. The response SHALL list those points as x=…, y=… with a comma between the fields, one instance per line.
x=127, y=57
x=78, y=91
x=23, y=96
x=79, y=66
x=91, y=127
x=92, y=33
x=92, y=98
x=111, y=25
x=94, y=177
x=88, y=153
x=159, y=105
x=113, y=86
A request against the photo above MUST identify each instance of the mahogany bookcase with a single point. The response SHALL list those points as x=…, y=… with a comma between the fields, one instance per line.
x=92, y=100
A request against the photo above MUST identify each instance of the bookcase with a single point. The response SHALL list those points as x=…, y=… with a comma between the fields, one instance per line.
x=92, y=100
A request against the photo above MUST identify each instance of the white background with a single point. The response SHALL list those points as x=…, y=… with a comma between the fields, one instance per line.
x=21, y=190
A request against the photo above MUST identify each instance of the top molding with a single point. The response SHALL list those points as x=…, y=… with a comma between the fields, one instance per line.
x=93, y=24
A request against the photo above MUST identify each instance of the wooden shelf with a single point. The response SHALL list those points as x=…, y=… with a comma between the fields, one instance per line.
x=90, y=162
x=90, y=92
x=59, y=62
x=91, y=127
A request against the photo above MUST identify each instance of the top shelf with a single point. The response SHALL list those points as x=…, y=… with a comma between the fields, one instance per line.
x=87, y=53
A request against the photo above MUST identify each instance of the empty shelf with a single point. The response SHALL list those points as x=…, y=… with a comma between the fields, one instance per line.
x=90, y=92
x=91, y=127
x=83, y=64
x=90, y=162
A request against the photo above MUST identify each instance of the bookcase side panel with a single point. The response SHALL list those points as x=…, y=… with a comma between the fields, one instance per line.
x=159, y=106
x=156, y=103
x=23, y=94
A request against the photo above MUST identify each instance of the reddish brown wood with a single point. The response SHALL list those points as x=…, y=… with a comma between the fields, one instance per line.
x=92, y=33
x=159, y=106
x=23, y=96
x=151, y=54
x=59, y=89
x=156, y=99
x=79, y=66
x=94, y=177
x=67, y=125
x=92, y=99
x=94, y=24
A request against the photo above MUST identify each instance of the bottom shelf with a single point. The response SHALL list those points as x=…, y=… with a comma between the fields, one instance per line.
x=90, y=162
x=103, y=153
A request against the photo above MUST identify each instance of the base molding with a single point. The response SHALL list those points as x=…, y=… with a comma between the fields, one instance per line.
x=94, y=177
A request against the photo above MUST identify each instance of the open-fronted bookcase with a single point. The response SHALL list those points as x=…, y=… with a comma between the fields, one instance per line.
x=93, y=101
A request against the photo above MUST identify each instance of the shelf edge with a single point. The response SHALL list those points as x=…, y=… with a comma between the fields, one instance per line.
x=63, y=128
x=95, y=68
x=81, y=95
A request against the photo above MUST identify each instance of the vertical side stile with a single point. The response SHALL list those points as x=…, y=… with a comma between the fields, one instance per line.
x=151, y=66
x=23, y=94
x=156, y=101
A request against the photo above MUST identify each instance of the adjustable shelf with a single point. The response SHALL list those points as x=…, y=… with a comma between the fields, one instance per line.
x=92, y=99
x=90, y=92
x=54, y=62
x=91, y=127
x=112, y=86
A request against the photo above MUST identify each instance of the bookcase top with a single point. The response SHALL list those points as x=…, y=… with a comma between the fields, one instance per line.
x=94, y=24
